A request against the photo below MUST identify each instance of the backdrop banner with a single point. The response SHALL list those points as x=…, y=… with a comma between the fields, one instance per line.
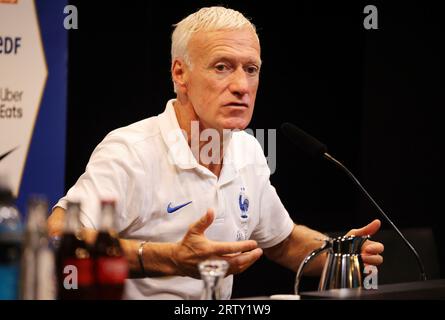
x=33, y=87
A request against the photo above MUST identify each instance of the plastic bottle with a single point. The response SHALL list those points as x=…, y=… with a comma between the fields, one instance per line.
x=11, y=233
x=38, y=261
x=111, y=266
x=75, y=278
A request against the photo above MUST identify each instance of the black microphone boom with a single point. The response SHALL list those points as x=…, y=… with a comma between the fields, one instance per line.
x=315, y=148
x=303, y=141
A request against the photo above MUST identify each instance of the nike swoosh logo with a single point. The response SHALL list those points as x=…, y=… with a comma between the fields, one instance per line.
x=171, y=209
x=7, y=153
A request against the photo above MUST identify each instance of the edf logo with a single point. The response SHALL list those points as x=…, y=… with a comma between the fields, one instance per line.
x=10, y=45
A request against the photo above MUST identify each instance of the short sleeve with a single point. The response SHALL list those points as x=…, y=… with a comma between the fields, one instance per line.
x=114, y=171
x=275, y=224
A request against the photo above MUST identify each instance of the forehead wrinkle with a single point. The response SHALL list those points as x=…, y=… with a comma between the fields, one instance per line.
x=224, y=54
x=209, y=43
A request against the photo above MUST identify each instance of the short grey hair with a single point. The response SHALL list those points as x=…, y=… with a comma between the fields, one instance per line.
x=206, y=19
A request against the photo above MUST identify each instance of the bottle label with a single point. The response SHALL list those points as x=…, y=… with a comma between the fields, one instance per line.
x=46, y=288
x=9, y=281
x=84, y=269
x=112, y=270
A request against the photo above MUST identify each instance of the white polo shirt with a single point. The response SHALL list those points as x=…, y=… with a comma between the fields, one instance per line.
x=150, y=169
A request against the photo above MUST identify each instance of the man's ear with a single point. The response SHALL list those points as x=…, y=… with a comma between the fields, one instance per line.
x=180, y=75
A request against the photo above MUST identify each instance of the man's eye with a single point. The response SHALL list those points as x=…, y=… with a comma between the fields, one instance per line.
x=252, y=70
x=221, y=67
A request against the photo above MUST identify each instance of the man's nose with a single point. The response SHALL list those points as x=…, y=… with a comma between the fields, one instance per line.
x=239, y=84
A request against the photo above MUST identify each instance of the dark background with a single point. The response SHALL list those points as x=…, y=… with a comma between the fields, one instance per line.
x=373, y=96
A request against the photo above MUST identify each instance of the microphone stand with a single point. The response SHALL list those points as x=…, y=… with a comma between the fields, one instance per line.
x=338, y=164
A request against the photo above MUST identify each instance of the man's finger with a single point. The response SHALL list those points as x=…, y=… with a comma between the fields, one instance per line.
x=89, y=235
x=375, y=260
x=373, y=248
x=202, y=224
x=369, y=229
x=242, y=261
x=222, y=248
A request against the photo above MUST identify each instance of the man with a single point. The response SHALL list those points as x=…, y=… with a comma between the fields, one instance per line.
x=188, y=198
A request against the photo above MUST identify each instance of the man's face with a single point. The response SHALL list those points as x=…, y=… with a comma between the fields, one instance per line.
x=223, y=80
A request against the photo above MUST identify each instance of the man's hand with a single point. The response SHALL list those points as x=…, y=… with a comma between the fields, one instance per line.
x=371, y=250
x=195, y=247
x=181, y=258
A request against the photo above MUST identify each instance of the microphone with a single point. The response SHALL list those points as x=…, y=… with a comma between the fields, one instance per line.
x=316, y=149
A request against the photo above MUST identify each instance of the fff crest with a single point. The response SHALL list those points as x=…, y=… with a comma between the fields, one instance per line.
x=243, y=204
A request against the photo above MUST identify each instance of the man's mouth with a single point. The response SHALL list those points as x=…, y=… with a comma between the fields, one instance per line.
x=236, y=104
